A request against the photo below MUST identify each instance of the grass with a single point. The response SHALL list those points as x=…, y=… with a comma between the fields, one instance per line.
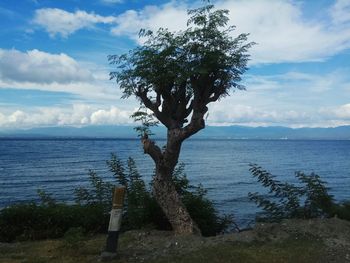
x=288, y=251
x=51, y=251
x=291, y=250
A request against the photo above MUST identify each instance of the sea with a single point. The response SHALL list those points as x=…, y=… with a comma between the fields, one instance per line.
x=58, y=166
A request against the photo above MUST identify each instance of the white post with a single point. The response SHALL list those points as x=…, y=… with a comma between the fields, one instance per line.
x=114, y=224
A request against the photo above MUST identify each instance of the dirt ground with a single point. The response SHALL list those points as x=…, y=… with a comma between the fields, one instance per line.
x=333, y=236
x=316, y=240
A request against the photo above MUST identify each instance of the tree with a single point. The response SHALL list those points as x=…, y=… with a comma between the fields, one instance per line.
x=175, y=75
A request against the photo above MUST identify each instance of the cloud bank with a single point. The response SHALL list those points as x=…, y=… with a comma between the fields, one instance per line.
x=40, y=67
x=219, y=114
x=75, y=115
x=38, y=70
x=282, y=32
x=60, y=22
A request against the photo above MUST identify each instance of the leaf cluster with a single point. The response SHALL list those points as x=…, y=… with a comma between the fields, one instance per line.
x=175, y=74
x=137, y=196
x=99, y=193
x=308, y=199
x=146, y=120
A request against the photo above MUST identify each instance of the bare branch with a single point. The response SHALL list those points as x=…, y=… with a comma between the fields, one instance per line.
x=152, y=149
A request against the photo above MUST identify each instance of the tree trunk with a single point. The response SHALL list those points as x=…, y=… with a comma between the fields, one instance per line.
x=163, y=185
x=171, y=204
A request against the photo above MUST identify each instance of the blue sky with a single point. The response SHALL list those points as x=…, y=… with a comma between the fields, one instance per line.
x=54, y=68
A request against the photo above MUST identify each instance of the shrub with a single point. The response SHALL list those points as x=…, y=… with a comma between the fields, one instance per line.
x=141, y=208
x=50, y=219
x=342, y=210
x=309, y=199
x=98, y=194
x=200, y=208
x=33, y=221
x=138, y=198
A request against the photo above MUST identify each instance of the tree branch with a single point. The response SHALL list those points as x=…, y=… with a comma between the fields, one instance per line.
x=196, y=124
x=153, y=106
x=152, y=149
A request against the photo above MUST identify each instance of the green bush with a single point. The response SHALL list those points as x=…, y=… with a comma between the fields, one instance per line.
x=308, y=199
x=91, y=212
x=201, y=209
x=141, y=208
x=98, y=194
x=33, y=221
x=138, y=198
x=342, y=210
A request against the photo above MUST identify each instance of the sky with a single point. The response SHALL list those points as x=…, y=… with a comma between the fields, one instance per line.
x=54, y=69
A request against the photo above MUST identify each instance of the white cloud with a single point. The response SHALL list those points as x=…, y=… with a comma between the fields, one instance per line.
x=110, y=116
x=246, y=115
x=38, y=70
x=74, y=115
x=340, y=12
x=241, y=114
x=97, y=91
x=40, y=67
x=171, y=15
x=341, y=112
x=294, y=83
x=219, y=114
x=292, y=99
x=279, y=28
x=60, y=22
x=282, y=32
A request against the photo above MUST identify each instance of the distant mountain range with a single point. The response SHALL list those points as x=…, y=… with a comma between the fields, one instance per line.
x=214, y=132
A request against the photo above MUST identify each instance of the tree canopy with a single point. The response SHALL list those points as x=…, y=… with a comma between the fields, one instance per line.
x=177, y=74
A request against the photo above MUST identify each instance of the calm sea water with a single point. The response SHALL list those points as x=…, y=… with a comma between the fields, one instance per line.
x=222, y=166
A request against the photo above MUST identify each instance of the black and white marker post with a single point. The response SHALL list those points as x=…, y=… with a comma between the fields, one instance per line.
x=114, y=224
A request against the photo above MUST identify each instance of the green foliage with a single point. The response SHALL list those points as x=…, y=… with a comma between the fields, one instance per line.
x=203, y=212
x=174, y=74
x=342, y=210
x=200, y=208
x=116, y=166
x=137, y=198
x=146, y=120
x=141, y=208
x=98, y=194
x=33, y=221
x=50, y=219
x=45, y=198
x=309, y=199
